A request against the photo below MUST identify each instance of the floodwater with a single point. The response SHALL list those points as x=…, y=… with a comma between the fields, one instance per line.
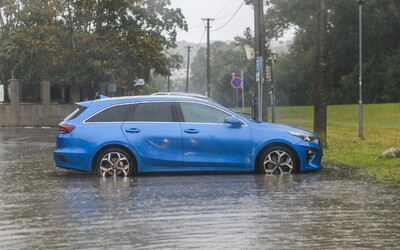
x=49, y=208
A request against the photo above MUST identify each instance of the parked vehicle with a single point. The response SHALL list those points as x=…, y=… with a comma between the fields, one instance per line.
x=174, y=133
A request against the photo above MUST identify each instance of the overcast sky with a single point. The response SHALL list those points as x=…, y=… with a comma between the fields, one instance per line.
x=226, y=25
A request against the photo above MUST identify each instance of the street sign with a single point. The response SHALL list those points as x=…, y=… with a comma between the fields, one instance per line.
x=258, y=68
x=268, y=72
x=236, y=82
x=139, y=82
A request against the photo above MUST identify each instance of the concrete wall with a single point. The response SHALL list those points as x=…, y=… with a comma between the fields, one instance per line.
x=15, y=114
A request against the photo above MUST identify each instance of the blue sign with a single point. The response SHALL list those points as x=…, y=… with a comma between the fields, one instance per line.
x=257, y=64
x=236, y=82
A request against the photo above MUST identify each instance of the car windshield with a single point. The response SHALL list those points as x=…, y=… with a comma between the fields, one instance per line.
x=245, y=115
x=248, y=116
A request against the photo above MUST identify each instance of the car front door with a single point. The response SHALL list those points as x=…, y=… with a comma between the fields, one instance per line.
x=155, y=135
x=210, y=143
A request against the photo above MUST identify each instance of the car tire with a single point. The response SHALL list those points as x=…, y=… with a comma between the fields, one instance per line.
x=278, y=160
x=114, y=162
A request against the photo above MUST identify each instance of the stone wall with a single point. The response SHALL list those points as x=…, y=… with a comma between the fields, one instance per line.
x=16, y=114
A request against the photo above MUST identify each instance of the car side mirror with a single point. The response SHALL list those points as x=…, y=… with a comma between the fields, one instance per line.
x=234, y=121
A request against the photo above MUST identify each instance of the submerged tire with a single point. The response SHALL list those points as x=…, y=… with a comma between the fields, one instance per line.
x=114, y=162
x=278, y=160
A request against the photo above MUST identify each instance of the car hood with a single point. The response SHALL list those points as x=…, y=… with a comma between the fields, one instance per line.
x=284, y=128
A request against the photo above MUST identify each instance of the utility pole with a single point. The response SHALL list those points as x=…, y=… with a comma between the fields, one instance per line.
x=208, y=55
x=187, y=71
x=320, y=106
x=262, y=111
x=360, y=102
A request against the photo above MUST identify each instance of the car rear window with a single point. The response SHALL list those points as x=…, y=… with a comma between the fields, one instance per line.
x=152, y=112
x=112, y=114
x=75, y=114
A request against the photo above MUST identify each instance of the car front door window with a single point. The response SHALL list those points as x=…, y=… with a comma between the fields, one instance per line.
x=197, y=113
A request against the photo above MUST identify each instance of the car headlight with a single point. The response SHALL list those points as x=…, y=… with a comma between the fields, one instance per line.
x=306, y=137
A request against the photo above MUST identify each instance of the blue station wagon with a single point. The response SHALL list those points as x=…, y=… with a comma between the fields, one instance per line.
x=124, y=136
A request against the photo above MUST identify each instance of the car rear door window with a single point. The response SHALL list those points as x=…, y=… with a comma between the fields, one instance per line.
x=112, y=114
x=152, y=112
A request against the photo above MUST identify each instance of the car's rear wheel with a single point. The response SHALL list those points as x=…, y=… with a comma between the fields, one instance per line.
x=114, y=162
x=278, y=160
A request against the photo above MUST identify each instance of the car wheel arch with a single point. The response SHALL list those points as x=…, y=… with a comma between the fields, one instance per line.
x=118, y=146
x=276, y=144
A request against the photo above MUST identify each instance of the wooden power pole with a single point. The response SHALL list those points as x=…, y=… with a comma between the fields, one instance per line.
x=259, y=34
x=321, y=65
x=208, y=87
x=188, y=67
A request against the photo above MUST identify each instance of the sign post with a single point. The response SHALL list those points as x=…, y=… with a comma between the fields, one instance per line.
x=241, y=76
x=259, y=79
x=236, y=83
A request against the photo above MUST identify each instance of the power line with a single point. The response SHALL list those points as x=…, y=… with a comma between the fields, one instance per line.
x=228, y=3
x=230, y=19
x=201, y=39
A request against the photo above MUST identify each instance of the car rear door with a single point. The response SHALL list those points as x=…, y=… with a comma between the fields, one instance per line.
x=155, y=135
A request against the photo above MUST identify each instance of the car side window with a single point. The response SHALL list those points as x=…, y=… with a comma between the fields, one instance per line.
x=199, y=113
x=112, y=114
x=152, y=112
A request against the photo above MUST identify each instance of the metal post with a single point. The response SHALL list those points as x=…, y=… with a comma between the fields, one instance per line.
x=168, y=83
x=273, y=71
x=234, y=92
x=360, y=103
x=242, y=87
x=260, y=91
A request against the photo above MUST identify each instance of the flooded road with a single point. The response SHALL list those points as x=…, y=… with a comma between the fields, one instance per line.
x=49, y=208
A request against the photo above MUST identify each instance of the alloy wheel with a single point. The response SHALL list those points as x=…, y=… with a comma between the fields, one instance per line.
x=114, y=164
x=278, y=162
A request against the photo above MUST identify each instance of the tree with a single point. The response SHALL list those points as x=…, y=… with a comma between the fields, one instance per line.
x=88, y=42
x=380, y=19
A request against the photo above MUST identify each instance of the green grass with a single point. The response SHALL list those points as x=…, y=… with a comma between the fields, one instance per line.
x=381, y=131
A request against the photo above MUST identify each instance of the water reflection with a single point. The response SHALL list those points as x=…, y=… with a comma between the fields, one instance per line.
x=45, y=207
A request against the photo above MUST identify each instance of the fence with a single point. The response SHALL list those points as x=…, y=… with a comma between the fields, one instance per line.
x=38, y=112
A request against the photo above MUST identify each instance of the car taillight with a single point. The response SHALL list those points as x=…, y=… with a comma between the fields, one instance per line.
x=65, y=129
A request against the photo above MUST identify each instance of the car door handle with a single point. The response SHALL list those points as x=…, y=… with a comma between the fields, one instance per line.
x=191, y=131
x=132, y=130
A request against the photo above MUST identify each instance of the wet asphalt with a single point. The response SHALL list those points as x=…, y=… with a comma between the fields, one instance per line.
x=44, y=207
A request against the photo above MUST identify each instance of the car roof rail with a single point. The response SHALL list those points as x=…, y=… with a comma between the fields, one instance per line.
x=183, y=94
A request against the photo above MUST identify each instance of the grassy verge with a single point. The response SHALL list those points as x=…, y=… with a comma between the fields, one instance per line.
x=381, y=131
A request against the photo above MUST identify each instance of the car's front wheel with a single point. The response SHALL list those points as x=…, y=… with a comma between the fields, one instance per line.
x=114, y=162
x=278, y=160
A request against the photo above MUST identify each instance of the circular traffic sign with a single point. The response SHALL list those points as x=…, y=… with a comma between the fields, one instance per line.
x=236, y=82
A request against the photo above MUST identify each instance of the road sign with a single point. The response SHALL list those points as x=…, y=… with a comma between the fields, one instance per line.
x=236, y=82
x=258, y=68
